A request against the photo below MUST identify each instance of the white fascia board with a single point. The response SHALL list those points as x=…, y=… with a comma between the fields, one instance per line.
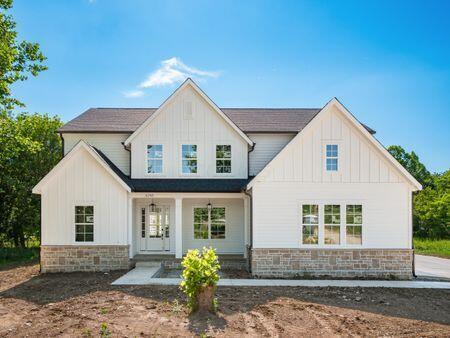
x=186, y=83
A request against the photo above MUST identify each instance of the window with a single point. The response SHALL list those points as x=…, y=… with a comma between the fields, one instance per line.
x=332, y=157
x=354, y=224
x=332, y=222
x=310, y=223
x=189, y=158
x=84, y=223
x=209, y=225
x=155, y=159
x=143, y=222
x=223, y=159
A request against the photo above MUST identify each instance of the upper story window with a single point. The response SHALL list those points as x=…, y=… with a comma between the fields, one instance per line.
x=155, y=159
x=189, y=158
x=223, y=159
x=332, y=156
x=84, y=223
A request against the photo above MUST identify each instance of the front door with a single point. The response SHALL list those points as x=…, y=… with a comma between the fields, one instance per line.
x=155, y=229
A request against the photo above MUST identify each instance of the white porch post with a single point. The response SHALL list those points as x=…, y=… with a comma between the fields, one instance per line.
x=130, y=226
x=178, y=227
x=246, y=224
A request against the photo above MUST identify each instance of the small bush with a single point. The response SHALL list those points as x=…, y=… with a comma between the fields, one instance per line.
x=200, y=274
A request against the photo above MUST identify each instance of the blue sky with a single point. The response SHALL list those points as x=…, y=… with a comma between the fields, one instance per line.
x=387, y=61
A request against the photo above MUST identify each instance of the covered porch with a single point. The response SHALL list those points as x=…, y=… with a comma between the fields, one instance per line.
x=164, y=226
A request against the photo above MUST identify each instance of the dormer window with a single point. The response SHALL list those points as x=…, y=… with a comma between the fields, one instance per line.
x=332, y=156
x=155, y=159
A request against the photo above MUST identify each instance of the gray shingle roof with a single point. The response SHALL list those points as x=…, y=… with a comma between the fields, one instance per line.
x=249, y=120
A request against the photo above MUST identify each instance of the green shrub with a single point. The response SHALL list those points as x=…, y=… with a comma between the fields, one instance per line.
x=200, y=272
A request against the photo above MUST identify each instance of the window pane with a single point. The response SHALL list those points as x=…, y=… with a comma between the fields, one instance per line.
x=223, y=159
x=200, y=231
x=79, y=210
x=89, y=218
x=354, y=234
x=332, y=235
x=310, y=214
x=89, y=210
x=189, y=166
x=79, y=218
x=310, y=234
x=79, y=237
x=332, y=214
x=155, y=166
x=89, y=238
x=84, y=223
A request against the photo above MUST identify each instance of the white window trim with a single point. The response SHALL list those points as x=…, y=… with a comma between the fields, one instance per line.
x=339, y=157
x=209, y=224
x=72, y=222
x=215, y=173
x=343, y=225
x=180, y=161
x=163, y=173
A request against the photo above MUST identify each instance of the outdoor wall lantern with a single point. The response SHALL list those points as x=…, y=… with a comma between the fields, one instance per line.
x=152, y=207
x=209, y=206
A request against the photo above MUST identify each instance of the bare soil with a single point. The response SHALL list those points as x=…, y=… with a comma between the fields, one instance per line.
x=77, y=304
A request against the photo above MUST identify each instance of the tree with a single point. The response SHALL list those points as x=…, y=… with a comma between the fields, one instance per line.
x=410, y=161
x=18, y=59
x=29, y=148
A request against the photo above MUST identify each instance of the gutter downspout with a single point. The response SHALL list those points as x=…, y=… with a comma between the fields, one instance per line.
x=412, y=237
x=129, y=150
x=249, y=253
x=62, y=145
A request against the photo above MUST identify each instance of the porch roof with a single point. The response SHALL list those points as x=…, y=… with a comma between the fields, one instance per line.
x=178, y=184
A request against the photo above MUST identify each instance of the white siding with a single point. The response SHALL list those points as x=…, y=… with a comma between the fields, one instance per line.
x=83, y=181
x=365, y=176
x=109, y=144
x=234, y=231
x=206, y=129
x=266, y=147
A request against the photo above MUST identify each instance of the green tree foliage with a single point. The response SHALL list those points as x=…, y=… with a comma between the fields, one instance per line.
x=431, y=215
x=29, y=148
x=18, y=59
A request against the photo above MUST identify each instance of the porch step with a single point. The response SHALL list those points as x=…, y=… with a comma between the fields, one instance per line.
x=148, y=264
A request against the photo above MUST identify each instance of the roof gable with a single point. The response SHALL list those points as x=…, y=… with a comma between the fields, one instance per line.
x=332, y=108
x=79, y=146
x=188, y=84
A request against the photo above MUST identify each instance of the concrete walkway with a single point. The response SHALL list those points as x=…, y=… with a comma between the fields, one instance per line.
x=429, y=266
x=144, y=276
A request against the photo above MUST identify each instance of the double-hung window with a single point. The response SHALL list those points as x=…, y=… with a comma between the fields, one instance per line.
x=223, y=159
x=209, y=225
x=354, y=224
x=310, y=224
x=332, y=223
x=189, y=158
x=332, y=157
x=155, y=159
x=84, y=223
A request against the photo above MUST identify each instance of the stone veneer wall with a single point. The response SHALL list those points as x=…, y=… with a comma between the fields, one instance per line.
x=69, y=258
x=335, y=263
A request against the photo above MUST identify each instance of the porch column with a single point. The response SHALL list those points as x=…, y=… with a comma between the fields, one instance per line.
x=178, y=227
x=130, y=227
x=246, y=224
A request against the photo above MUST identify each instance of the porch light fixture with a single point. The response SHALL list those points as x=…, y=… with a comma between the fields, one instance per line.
x=209, y=206
x=152, y=207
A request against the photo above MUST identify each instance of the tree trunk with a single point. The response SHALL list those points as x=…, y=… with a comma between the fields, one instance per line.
x=205, y=299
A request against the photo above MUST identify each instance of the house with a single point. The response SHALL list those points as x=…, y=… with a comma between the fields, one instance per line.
x=294, y=191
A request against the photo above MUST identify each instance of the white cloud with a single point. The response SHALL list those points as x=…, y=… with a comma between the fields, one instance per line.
x=133, y=94
x=170, y=72
x=173, y=71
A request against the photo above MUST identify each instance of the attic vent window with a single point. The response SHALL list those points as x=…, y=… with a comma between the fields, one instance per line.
x=187, y=112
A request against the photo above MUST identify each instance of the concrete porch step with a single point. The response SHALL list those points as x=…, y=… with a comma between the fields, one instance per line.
x=148, y=264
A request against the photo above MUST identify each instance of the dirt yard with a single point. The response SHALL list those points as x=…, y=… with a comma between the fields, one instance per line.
x=78, y=304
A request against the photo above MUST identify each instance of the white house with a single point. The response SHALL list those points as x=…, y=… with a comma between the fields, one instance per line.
x=294, y=191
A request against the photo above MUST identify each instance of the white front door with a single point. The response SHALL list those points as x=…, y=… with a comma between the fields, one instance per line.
x=155, y=229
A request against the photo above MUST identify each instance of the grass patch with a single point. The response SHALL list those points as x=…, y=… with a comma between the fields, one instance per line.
x=430, y=247
x=10, y=256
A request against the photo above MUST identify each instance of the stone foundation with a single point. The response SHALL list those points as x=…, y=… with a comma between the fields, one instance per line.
x=69, y=258
x=334, y=263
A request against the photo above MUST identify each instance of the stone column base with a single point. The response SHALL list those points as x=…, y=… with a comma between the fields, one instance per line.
x=69, y=258
x=334, y=263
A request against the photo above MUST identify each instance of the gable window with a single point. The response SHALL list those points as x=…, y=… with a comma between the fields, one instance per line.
x=223, y=159
x=84, y=223
x=354, y=224
x=310, y=224
x=332, y=223
x=189, y=158
x=209, y=225
x=155, y=159
x=332, y=157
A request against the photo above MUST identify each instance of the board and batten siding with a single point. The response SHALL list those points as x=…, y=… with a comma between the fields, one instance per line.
x=364, y=177
x=234, y=228
x=188, y=119
x=110, y=144
x=266, y=147
x=83, y=181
